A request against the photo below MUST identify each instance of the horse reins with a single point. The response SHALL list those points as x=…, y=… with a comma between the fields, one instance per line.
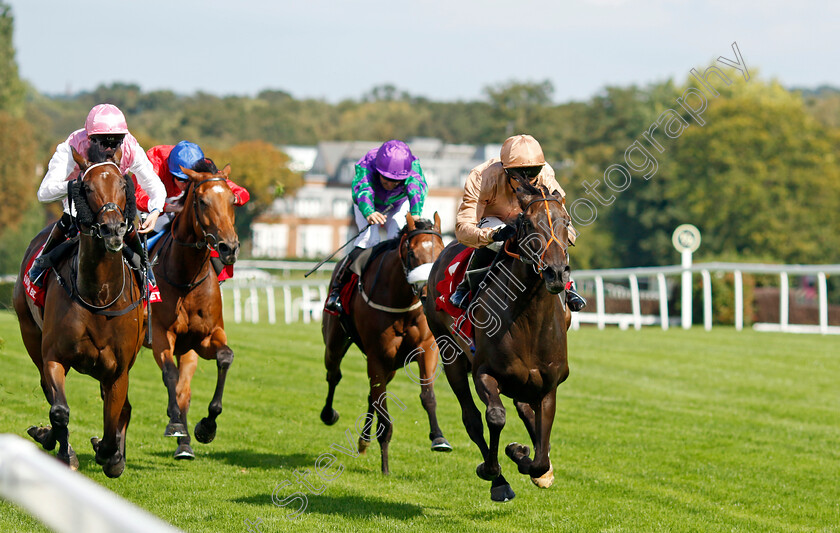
x=203, y=243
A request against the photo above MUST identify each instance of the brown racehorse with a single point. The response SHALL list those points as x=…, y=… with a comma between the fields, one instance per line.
x=520, y=338
x=188, y=322
x=388, y=324
x=91, y=320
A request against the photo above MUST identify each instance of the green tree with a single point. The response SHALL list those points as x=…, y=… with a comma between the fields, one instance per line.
x=263, y=170
x=12, y=90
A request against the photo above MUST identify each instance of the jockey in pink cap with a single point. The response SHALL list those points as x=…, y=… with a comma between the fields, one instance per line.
x=106, y=132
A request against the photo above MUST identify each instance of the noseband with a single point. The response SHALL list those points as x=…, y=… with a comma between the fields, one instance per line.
x=541, y=264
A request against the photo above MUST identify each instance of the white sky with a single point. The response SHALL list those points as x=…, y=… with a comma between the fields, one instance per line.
x=441, y=49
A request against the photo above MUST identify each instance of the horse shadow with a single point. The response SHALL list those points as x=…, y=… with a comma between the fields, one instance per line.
x=347, y=506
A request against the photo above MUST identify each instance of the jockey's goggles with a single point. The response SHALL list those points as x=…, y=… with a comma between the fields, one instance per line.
x=524, y=173
x=110, y=142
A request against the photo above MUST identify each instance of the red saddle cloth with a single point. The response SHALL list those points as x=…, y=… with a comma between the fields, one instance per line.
x=454, y=275
x=345, y=294
x=35, y=293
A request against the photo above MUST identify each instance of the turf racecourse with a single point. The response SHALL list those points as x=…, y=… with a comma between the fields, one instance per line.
x=655, y=431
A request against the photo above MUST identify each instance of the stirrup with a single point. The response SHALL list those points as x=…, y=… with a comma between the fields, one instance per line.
x=575, y=301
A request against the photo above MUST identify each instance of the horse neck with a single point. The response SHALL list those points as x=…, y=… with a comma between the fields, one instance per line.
x=189, y=260
x=534, y=303
x=390, y=267
x=100, y=275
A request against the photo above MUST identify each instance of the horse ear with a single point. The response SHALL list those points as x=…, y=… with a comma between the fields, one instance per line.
x=191, y=173
x=226, y=171
x=409, y=222
x=118, y=156
x=80, y=159
x=437, y=222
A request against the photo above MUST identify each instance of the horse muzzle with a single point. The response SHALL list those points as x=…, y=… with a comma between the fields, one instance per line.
x=228, y=252
x=555, y=279
x=112, y=234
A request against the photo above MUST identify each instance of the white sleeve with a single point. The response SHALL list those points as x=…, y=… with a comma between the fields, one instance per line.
x=54, y=185
x=148, y=180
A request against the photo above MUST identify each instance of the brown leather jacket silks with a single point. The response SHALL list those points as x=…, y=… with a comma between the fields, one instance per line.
x=488, y=193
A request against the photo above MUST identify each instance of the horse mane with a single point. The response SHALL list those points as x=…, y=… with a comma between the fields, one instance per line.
x=419, y=223
x=206, y=165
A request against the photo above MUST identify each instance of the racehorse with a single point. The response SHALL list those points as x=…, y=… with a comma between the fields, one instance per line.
x=520, y=329
x=91, y=320
x=389, y=327
x=188, y=321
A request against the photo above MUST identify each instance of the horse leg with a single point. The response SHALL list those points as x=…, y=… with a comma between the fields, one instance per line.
x=541, y=471
x=215, y=346
x=336, y=345
x=488, y=391
x=163, y=347
x=519, y=453
x=187, y=364
x=52, y=382
x=378, y=401
x=428, y=367
x=108, y=449
x=456, y=373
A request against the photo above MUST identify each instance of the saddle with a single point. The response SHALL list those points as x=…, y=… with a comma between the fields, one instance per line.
x=455, y=272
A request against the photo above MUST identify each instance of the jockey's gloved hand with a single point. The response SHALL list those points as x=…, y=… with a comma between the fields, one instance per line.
x=504, y=233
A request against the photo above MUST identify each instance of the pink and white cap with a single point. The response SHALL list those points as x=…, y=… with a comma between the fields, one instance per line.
x=105, y=118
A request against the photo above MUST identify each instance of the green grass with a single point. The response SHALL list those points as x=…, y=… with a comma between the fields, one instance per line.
x=655, y=431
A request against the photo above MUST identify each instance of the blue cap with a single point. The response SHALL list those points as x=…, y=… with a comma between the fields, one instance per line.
x=184, y=154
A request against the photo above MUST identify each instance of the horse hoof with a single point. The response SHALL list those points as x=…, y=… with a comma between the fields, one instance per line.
x=175, y=429
x=502, y=493
x=329, y=418
x=363, y=446
x=184, y=451
x=70, y=459
x=484, y=473
x=42, y=436
x=115, y=466
x=205, y=431
x=517, y=451
x=440, y=444
x=545, y=480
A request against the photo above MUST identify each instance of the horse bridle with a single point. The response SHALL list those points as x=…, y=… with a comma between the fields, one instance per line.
x=96, y=227
x=520, y=224
x=406, y=263
x=209, y=240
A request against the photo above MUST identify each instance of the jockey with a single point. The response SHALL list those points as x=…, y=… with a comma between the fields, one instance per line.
x=389, y=183
x=490, y=198
x=167, y=161
x=105, y=127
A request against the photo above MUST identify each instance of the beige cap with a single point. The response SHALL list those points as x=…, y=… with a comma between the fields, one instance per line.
x=522, y=151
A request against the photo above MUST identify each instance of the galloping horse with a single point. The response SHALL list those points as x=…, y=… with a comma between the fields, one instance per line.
x=91, y=319
x=389, y=330
x=188, y=322
x=520, y=338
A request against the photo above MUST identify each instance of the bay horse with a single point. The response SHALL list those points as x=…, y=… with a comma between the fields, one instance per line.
x=92, y=320
x=187, y=323
x=390, y=328
x=520, y=329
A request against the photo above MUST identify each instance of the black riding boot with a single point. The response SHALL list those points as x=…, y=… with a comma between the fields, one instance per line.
x=333, y=303
x=481, y=258
x=140, y=258
x=58, y=235
x=575, y=301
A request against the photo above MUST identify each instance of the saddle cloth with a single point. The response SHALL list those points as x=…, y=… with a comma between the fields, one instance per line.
x=452, y=278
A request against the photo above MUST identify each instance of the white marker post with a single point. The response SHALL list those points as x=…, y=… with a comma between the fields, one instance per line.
x=686, y=239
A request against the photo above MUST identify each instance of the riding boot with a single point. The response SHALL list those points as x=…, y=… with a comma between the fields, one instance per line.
x=333, y=303
x=140, y=257
x=57, y=235
x=575, y=301
x=479, y=260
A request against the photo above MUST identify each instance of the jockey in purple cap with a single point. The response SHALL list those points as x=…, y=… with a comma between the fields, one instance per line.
x=389, y=184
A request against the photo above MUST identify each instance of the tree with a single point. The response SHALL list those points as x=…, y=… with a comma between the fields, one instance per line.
x=263, y=170
x=12, y=90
